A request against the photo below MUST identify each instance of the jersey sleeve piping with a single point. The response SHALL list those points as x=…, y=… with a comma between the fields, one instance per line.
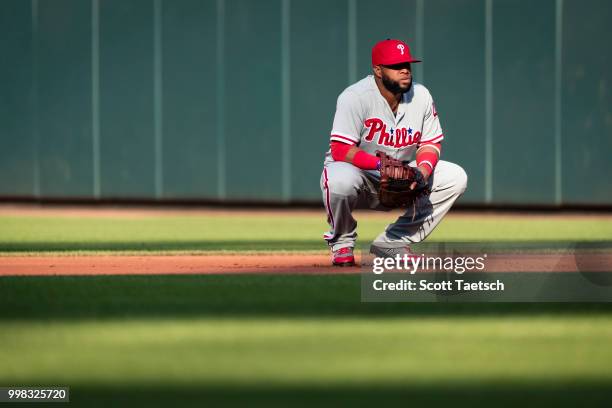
x=436, y=139
x=344, y=138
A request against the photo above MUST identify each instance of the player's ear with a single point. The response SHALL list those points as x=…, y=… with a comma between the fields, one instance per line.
x=377, y=71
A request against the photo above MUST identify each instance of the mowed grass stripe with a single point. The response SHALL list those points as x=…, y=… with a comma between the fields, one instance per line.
x=265, y=351
x=253, y=296
x=261, y=232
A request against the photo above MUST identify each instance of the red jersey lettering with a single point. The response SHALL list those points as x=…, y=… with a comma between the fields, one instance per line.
x=375, y=126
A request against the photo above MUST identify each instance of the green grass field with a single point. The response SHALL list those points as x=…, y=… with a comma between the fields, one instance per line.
x=262, y=232
x=286, y=340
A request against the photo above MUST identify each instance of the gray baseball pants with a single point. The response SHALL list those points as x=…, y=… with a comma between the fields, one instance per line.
x=346, y=187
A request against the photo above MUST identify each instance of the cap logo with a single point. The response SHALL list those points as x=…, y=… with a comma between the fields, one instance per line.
x=401, y=48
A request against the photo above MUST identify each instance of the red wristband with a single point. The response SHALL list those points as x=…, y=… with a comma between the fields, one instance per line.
x=428, y=158
x=361, y=159
x=366, y=161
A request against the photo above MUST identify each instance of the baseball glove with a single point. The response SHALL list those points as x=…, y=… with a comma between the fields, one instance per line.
x=395, y=181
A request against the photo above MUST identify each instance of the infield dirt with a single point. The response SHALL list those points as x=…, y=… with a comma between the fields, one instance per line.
x=293, y=263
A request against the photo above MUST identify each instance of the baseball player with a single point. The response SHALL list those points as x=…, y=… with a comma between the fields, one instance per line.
x=385, y=112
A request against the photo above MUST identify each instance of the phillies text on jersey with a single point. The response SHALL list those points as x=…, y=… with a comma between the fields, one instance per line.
x=364, y=118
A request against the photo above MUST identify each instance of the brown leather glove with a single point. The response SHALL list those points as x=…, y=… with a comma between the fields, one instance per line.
x=395, y=181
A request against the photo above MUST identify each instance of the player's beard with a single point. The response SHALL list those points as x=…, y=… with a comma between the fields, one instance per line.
x=393, y=86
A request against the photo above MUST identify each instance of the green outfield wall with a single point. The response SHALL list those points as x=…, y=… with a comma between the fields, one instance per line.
x=234, y=99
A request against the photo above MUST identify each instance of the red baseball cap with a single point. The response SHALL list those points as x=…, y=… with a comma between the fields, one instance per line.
x=391, y=52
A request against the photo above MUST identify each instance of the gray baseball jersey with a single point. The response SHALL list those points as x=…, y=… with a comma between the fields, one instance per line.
x=363, y=118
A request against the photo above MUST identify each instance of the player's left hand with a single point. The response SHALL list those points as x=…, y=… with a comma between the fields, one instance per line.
x=422, y=176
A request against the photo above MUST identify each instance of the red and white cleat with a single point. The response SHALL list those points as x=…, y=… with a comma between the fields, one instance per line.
x=343, y=257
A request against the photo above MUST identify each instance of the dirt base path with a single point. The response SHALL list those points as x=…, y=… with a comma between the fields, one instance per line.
x=265, y=264
x=175, y=264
